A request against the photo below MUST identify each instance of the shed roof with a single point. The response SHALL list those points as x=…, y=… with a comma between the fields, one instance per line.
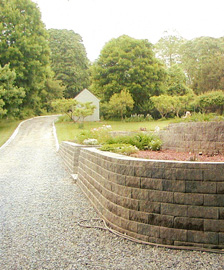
x=86, y=91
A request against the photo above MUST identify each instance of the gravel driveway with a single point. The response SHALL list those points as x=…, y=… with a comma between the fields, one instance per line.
x=40, y=207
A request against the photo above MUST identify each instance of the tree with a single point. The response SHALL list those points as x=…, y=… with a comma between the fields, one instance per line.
x=203, y=61
x=69, y=60
x=53, y=90
x=83, y=110
x=24, y=45
x=10, y=95
x=121, y=102
x=177, y=81
x=163, y=104
x=172, y=104
x=128, y=63
x=168, y=48
x=74, y=109
x=211, y=101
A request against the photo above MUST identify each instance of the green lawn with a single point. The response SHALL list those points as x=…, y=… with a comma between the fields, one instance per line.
x=66, y=131
x=7, y=128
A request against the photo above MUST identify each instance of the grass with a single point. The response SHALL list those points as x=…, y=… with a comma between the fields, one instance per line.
x=66, y=131
x=7, y=128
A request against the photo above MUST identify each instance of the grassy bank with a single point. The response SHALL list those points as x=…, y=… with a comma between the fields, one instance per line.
x=7, y=128
x=66, y=131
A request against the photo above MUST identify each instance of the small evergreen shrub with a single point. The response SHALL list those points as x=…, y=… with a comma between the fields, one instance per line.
x=124, y=149
x=139, y=118
x=141, y=140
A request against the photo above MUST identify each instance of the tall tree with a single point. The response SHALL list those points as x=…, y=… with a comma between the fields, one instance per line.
x=24, y=45
x=177, y=81
x=168, y=48
x=128, y=63
x=203, y=61
x=10, y=96
x=121, y=102
x=69, y=60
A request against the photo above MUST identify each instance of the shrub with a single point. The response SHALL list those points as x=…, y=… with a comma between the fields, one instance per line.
x=101, y=134
x=200, y=117
x=84, y=135
x=63, y=118
x=90, y=142
x=124, y=149
x=155, y=145
x=139, y=118
x=140, y=140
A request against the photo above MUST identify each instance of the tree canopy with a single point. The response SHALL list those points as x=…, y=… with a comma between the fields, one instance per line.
x=24, y=45
x=168, y=48
x=69, y=61
x=203, y=60
x=128, y=63
x=120, y=102
x=10, y=96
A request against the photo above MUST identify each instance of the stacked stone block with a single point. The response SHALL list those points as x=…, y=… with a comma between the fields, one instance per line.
x=205, y=137
x=164, y=202
x=70, y=154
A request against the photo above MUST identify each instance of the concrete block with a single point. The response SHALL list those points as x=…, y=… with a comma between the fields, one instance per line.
x=174, y=210
x=140, y=194
x=220, y=188
x=203, y=212
x=188, y=198
x=160, y=196
x=149, y=207
x=149, y=230
x=189, y=223
x=132, y=181
x=173, y=234
x=138, y=216
x=202, y=237
x=214, y=200
x=200, y=187
x=169, y=185
x=214, y=225
x=153, y=184
x=161, y=220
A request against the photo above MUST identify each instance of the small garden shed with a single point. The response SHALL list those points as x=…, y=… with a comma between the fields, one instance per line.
x=86, y=96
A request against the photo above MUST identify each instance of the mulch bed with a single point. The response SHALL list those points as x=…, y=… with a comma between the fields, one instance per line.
x=179, y=156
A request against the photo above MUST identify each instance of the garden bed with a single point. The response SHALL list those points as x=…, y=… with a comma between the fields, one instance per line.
x=179, y=156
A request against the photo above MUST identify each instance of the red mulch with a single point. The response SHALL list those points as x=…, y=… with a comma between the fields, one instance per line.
x=180, y=156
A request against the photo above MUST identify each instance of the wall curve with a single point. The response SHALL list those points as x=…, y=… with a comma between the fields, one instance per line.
x=205, y=137
x=163, y=202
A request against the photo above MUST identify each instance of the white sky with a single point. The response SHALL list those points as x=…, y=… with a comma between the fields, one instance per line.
x=98, y=21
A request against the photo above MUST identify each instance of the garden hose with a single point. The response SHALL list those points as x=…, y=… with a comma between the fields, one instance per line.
x=106, y=228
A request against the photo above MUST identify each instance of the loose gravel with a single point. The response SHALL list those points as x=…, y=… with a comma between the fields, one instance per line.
x=40, y=208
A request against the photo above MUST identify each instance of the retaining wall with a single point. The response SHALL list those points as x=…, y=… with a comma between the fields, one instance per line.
x=70, y=154
x=205, y=137
x=173, y=203
x=164, y=202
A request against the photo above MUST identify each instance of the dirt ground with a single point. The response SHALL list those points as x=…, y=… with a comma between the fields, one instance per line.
x=180, y=156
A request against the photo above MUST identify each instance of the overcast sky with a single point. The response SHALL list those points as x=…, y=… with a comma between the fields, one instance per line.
x=98, y=21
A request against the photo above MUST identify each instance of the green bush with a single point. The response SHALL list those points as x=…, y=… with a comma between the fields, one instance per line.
x=64, y=118
x=101, y=134
x=141, y=140
x=124, y=149
x=200, y=117
x=138, y=118
x=85, y=135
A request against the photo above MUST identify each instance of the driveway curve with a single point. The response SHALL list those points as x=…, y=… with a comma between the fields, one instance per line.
x=40, y=206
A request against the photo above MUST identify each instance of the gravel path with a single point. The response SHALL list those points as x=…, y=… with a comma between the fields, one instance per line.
x=40, y=207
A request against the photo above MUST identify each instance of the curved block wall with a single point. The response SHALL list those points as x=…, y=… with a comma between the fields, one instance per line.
x=165, y=202
x=69, y=152
x=205, y=137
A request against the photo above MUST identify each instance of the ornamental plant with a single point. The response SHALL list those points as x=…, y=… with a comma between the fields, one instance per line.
x=124, y=149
